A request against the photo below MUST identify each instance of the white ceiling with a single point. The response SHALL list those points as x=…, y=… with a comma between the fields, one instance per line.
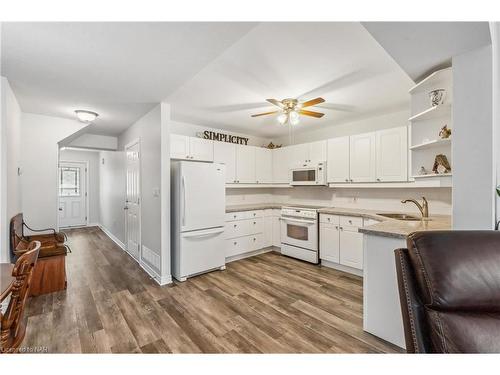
x=119, y=70
x=339, y=61
x=422, y=47
x=214, y=74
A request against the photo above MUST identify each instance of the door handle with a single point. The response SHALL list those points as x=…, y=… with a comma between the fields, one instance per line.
x=60, y=209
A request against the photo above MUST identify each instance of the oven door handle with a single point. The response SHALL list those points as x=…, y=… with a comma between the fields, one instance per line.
x=297, y=220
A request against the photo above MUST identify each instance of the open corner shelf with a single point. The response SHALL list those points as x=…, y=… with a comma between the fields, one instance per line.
x=442, y=76
x=431, y=144
x=433, y=112
x=432, y=175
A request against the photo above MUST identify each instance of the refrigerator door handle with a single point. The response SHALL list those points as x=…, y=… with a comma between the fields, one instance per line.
x=203, y=233
x=183, y=182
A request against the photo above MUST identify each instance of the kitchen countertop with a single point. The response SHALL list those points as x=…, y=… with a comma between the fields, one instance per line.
x=386, y=227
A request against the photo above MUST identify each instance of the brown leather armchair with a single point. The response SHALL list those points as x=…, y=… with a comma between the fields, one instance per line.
x=449, y=288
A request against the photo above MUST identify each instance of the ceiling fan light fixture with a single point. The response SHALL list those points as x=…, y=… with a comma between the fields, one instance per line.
x=294, y=117
x=282, y=118
x=86, y=116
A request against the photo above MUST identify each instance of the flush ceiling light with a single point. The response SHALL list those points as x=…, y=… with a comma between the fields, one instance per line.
x=86, y=116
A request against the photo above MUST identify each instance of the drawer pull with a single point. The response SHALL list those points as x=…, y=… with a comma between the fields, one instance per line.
x=235, y=243
x=255, y=222
x=235, y=225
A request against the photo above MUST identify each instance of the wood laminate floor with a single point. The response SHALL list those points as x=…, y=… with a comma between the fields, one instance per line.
x=265, y=304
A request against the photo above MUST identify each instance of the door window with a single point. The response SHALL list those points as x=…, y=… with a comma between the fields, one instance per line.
x=297, y=232
x=69, y=181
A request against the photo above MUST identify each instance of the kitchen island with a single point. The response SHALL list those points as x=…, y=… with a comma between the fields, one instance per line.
x=381, y=307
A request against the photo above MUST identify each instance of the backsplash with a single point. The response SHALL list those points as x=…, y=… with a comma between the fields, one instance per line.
x=373, y=199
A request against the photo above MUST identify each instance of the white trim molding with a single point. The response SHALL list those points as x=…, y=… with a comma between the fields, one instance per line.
x=112, y=237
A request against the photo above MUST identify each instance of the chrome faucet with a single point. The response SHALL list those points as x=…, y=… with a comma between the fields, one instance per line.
x=424, y=207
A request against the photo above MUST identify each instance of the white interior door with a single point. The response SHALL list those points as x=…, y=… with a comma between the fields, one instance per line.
x=72, y=194
x=132, y=203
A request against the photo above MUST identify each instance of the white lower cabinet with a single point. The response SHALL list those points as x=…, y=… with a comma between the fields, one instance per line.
x=247, y=231
x=339, y=240
x=351, y=247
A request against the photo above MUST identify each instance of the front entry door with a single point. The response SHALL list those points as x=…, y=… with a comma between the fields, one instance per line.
x=132, y=203
x=72, y=194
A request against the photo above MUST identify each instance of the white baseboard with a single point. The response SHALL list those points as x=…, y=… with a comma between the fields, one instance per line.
x=164, y=280
x=112, y=236
x=249, y=254
x=93, y=225
x=341, y=267
x=161, y=280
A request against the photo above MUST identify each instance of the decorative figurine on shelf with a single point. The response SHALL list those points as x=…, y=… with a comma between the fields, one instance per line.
x=272, y=146
x=422, y=171
x=437, y=97
x=445, y=133
x=441, y=165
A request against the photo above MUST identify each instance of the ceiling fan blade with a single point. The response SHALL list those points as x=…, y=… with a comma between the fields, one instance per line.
x=265, y=113
x=311, y=102
x=276, y=102
x=311, y=113
x=338, y=107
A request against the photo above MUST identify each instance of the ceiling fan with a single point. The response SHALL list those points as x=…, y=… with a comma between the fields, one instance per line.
x=291, y=109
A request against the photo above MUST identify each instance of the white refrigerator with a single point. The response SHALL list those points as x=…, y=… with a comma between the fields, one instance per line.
x=198, y=206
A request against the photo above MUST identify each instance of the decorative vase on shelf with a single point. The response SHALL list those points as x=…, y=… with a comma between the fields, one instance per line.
x=441, y=165
x=437, y=97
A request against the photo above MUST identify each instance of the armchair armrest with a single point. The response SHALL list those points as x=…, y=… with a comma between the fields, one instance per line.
x=6, y=292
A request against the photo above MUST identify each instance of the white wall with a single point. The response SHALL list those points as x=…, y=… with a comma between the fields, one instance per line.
x=184, y=128
x=39, y=158
x=371, y=123
x=472, y=146
x=92, y=158
x=112, y=193
x=495, y=44
x=10, y=121
x=148, y=130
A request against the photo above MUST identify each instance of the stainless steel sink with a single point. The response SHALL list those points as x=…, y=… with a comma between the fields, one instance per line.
x=401, y=217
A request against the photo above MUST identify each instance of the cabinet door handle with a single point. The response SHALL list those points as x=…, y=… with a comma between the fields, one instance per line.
x=337, y=227
x=378, y=179
x=346, y=180
x=235, y=225
x=341, y=228
x=235, y=243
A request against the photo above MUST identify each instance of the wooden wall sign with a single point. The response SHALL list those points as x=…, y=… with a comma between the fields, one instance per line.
x=221, y=137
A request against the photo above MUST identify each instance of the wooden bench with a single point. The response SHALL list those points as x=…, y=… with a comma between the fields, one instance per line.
x=50, y=271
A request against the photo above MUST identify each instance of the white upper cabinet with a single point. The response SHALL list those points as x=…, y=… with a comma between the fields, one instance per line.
x=338, y=160
x=179, y=146
x=201, y=149
x=317, y=151
x=225, y=153
x=362, y=163
x=313, y=152
x=263, y=165
x=245, y=164
x=392, y=154
x=298, y=154
x=191, y=148
x=281, y=165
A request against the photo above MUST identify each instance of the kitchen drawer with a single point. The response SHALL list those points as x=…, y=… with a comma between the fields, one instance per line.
x=256, y=225
x=237, y=229
x=352, y=221
x=329, y=219
x=237, y=246
x=236, y=215
x=367, y=222
x=254, y=214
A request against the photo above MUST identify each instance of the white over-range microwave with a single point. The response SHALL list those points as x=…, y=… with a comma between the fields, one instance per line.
x=308, y=174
